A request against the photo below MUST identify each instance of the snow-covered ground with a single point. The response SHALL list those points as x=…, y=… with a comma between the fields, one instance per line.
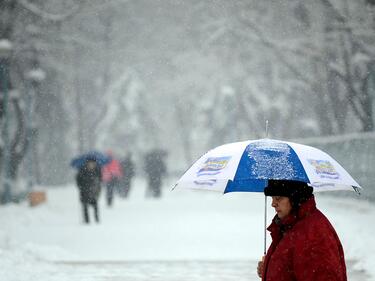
x=185, y=235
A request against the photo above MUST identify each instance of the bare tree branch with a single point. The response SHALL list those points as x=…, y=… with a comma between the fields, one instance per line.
x=344, y=21
x=48, y=16
x=278, y=53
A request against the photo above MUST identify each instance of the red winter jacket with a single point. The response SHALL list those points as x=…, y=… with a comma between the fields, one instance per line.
x=304, y=247
x=111, y=170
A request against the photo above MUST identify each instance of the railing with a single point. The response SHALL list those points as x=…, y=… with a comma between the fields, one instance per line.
x=355, y=152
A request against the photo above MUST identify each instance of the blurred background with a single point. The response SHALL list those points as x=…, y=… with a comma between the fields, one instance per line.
x=182, y=77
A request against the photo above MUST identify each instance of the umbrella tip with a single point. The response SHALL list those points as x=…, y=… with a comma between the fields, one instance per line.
x=357, y=190
x=266, y=128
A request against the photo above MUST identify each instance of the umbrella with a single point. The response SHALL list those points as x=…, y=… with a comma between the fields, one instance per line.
x=247, y=166
x=101, y=158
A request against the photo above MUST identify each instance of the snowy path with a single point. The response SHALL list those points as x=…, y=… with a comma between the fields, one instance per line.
x=173, y=271
x=163, y=271
x=185, y=235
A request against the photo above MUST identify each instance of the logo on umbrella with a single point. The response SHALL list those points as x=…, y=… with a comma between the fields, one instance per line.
x=213, y=165
x=324, y=169
x=206, y=182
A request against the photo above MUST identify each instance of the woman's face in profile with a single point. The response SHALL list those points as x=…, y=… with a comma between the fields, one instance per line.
x=282, y=206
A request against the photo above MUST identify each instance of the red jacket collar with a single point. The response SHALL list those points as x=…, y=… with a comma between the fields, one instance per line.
x=278, y=227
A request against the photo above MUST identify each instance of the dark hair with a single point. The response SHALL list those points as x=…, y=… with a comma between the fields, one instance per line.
x=297, y=191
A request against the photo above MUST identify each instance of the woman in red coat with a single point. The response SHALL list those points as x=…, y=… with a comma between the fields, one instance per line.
x=304, y=245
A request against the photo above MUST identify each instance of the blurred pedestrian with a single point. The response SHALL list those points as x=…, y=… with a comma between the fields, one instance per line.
x=111, y=174
x=128, y=172
x=155, y=168
x=89, y=184
x=304, y=246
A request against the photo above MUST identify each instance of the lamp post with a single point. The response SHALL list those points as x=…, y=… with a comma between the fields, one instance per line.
x=35, y=76
x=370, y=88
x=5, y=51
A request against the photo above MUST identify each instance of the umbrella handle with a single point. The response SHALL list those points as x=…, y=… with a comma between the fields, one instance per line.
x=265, y=224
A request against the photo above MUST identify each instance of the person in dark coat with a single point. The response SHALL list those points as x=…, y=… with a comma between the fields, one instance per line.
x=305, y=246
x=89, y=184
x=155, y=169
x=128, y=172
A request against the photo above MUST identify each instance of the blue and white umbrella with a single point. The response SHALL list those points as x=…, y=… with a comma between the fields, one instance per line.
x=247, y=166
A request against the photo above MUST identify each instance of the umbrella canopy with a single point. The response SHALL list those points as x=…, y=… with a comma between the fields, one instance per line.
x=247, y=166
x=101, y=158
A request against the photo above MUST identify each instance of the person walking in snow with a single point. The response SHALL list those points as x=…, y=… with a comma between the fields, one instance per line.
x=304, y=246
x=89, y=184
x=128, y=171
x=155, y=168
x=111, y=173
